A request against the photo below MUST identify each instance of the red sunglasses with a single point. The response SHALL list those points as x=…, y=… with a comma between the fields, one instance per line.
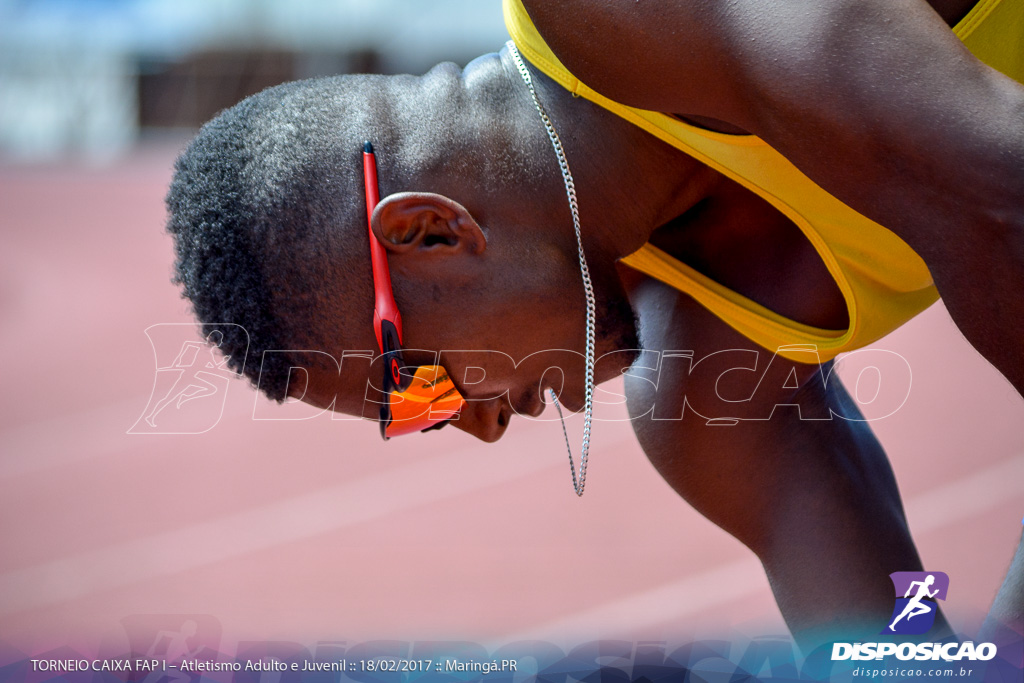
x=417, y=397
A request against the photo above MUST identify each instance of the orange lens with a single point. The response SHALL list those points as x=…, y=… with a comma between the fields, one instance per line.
x=431, y=398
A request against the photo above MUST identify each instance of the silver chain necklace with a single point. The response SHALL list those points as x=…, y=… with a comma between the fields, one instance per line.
x=570, y=191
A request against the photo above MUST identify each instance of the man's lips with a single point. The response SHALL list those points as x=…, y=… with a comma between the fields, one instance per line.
x=567, y=400
x=530, y=403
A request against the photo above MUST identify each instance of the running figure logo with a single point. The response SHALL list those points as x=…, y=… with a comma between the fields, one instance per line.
x=172, y=639
x=191, y=379
x=916, y=595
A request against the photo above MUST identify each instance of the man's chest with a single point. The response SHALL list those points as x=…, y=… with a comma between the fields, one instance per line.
x=741, y=242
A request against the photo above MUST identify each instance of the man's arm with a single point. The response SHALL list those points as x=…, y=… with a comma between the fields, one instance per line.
x=876, y=100
x=814, y=499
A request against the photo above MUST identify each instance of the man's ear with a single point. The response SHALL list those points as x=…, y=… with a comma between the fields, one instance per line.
x=424, y=221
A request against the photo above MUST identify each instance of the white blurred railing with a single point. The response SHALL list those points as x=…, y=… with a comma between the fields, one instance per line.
x=68, y=68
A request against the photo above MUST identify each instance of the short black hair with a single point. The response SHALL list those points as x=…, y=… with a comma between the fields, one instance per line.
x=259, y=207
x=267, y=212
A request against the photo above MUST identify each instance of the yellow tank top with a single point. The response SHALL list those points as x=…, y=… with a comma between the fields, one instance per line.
x=883, y=281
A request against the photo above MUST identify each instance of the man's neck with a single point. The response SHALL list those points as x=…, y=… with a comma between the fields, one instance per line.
x=628, y=181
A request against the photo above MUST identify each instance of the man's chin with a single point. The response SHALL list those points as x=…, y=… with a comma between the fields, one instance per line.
x=569, y=401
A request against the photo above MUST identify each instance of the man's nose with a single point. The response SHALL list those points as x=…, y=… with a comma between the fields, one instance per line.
x=486, y=420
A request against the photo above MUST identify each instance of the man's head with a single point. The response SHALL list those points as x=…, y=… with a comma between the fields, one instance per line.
x=268, y=215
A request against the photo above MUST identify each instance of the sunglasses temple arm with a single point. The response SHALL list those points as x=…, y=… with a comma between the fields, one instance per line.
x=386, y=318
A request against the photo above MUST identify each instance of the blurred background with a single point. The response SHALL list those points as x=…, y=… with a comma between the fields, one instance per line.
x=308, y=529
x=89, y=79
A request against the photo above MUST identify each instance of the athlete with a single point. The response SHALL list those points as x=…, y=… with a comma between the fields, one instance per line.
x=730, y=167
